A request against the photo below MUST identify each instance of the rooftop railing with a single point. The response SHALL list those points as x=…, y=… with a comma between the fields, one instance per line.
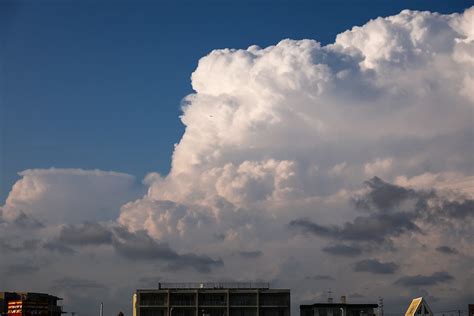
x=214, y=285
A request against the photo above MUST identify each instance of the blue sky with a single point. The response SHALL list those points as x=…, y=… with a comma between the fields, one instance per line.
x=98, y=84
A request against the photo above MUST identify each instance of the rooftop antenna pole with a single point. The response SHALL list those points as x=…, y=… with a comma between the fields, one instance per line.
x=101, y=309
x=380, y=306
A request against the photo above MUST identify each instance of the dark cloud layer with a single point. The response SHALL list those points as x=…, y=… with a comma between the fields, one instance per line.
x=391, y=211
x=25, y=221
x=56, y=246
x=25, y=268
x=320, y=277
x=447, y=250
x=72, y=283
x=383, y=196
x=250, y=254
x=18, y=246
x=375, y=266
x=133, y=245
x=139, y=245
x=374, y=228
x=425, y=280
x=343, y=250
x=88, y=233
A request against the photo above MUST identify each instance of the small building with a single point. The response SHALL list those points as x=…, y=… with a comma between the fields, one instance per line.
x=338, y=309
x=212, y=299
x=29, y=304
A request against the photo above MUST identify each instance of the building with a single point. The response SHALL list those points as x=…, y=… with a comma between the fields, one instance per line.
x=29, y=304
x=419, y=306
x=212, y=299
x=338, y=309
x=470, y=308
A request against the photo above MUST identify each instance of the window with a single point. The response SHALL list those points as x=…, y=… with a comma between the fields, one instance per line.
x=152, y=299
x=243, y=299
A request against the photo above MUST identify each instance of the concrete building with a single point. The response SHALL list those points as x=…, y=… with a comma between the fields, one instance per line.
x=29, y=304
x=338, y=309
x=212, y=299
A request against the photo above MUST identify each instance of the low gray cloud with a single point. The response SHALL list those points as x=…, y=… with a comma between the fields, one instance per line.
x=133, y=245
x=22, y=268
x=219, y=237
x=425, y=280
x=18, y=246
x=447, y=250
x=320, y=277
x=458, y=209
x=139, y=245
x=56, y=246
x=72, y=283
x=356, y=295
x=343, y=250
x=87, y=233
x=250, y=254
x=28, y=222
x=383, y=196
x=391, y=211
x=373, y=228
x=149, y=281
x=375, y=266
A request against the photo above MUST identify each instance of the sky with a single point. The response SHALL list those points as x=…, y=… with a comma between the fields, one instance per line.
x=314, y=144
x=102, y=79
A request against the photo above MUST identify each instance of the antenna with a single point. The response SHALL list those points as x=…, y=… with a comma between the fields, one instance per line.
x=380, y=306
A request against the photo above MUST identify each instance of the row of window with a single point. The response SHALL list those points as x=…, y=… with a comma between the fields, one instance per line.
x=214, y=299
x=215, y=312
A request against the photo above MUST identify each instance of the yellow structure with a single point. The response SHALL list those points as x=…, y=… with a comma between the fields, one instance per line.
x=134, y=304
x=418, y=306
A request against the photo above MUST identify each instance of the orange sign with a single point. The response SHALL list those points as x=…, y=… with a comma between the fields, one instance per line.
x=15, y=308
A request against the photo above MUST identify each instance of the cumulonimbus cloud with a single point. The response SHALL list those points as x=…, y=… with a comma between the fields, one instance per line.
x=284, y=137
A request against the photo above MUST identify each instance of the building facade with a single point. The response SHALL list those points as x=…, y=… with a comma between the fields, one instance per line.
x=29, y=304
x=338, y=309
x=212, y=299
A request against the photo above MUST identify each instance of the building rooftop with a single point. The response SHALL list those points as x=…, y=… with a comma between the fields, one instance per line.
x=29, y=295
x=213, y=285
x=337, y=305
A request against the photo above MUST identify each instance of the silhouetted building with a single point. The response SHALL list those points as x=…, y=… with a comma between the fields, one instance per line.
x=338, y=309
x=471, y=309
x=212, y=299
x=29, y=304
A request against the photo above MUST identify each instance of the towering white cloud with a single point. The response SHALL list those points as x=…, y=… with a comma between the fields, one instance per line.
x=276, y=124
x=288, y=134
x=269, y=174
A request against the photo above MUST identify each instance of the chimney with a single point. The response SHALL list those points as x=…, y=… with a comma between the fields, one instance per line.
x=343, y=299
